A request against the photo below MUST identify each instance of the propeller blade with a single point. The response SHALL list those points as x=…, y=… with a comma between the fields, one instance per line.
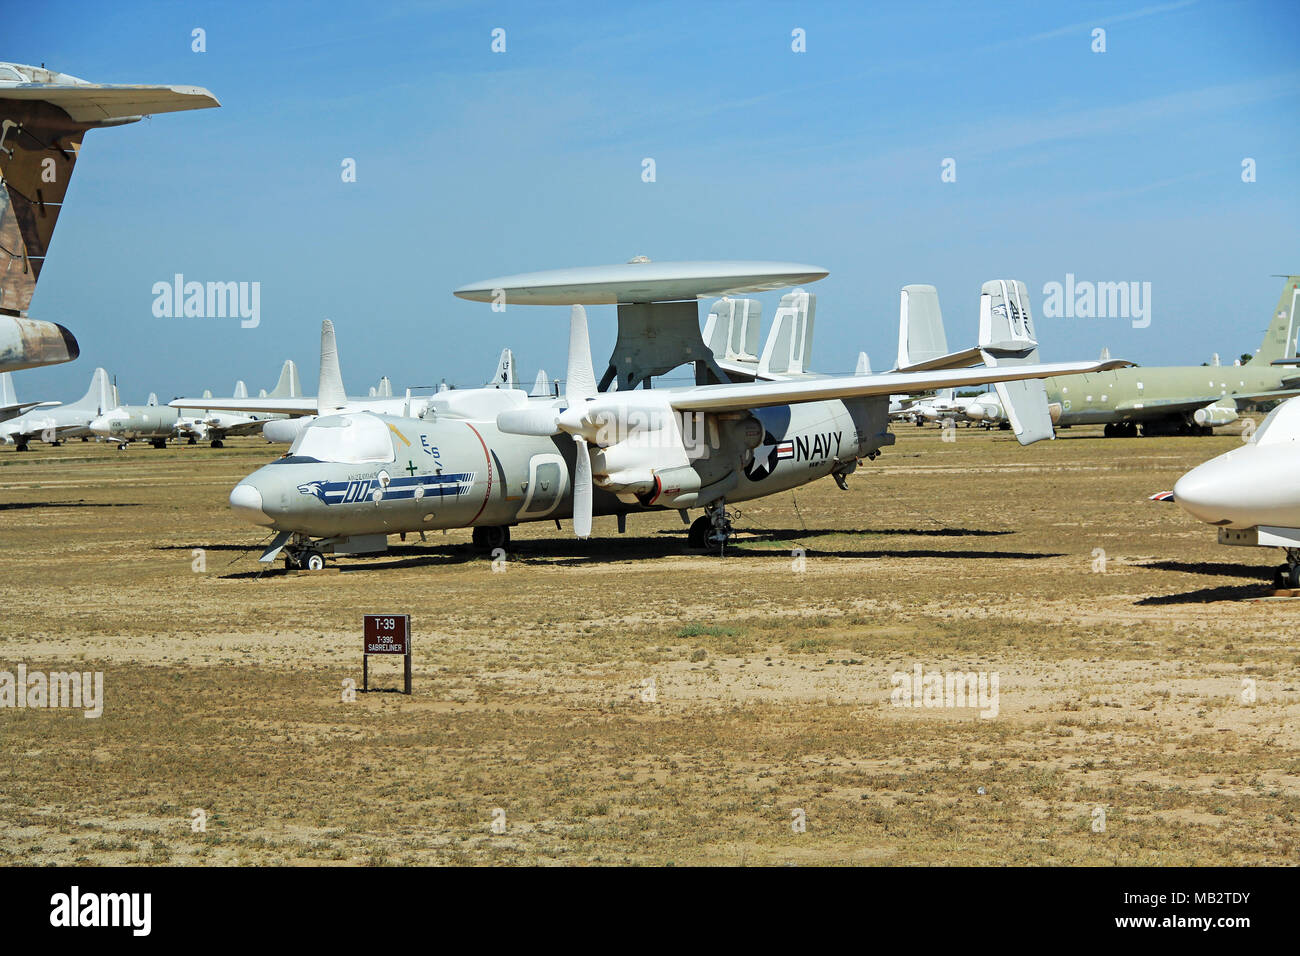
x=538, y=421
x=582, y=489
x=580, y=380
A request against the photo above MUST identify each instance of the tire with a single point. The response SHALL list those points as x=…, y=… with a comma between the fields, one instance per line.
x=697, y=537
x=490, y=537
x=218, y=443
x=314, y=561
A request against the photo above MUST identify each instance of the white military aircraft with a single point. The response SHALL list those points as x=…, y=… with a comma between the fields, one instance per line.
x=500, y=459
x=54, y=422
x=1252, y=493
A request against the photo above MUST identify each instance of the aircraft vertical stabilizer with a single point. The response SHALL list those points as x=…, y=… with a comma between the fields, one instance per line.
x=921, y=337
x=288, y=386
x=1280, y=339
x=504, y=376
x=1007, y=338
x=789, y=343
x=330, y=396
x=731, y=330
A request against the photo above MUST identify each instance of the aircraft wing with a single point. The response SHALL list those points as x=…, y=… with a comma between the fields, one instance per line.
x=1200, y=401
x=102, y=103
x=721, y=398
x=305, y=405
x=13, y=411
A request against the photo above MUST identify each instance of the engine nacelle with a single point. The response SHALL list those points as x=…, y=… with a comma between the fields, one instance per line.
x=1216, y=414
x=285, y=430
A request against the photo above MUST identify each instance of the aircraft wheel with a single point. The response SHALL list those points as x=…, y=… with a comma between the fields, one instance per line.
x=84, y=438
x=55, y=444
x=121, y=446
x=313, y=560
x=1287, y=577
x=21, y=446
x=489, y=538
x=218, y=443
x=1108, y=431
x=191, y=440
x=159, y=443
x=698, y=536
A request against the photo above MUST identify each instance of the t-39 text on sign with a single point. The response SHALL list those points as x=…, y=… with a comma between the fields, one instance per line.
x=387, y=633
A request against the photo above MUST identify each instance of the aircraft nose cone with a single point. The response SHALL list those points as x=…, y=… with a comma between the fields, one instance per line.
x=246, y=501
x=1208, y=492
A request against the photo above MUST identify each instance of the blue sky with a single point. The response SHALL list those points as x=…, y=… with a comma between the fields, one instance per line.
x=1115, y=166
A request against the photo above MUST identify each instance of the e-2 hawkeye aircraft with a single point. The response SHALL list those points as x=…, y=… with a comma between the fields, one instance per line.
x=500, y=458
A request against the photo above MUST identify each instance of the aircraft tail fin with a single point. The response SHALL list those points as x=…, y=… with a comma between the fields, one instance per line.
x=99, y=395
x=731, y=330
x=385, y=387
x=864, y=365
x=289, y=385
x=241, y=390
x=1007, y=338
x=1280, y=339
x=153, y=399
x=44, y=117
x=542, y=386
x=330, y=396
x=921, y=336
x=789, y=343
x=504, y=376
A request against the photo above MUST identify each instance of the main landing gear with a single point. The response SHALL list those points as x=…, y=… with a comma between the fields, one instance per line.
x=712, y=529
x=218, y=443
x=1288, y=575
x=490, y=537
x=303, y=559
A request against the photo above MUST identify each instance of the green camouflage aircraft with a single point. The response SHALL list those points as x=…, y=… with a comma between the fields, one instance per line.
x=1183, y=400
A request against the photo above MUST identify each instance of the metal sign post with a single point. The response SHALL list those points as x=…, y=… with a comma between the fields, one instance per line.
x=386, y=634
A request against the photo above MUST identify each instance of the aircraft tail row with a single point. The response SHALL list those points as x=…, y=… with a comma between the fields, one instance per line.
x=732, y=328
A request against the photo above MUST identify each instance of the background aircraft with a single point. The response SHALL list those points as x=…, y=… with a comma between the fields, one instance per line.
x=43, y=117
x=1184, y=400
x=57, y=424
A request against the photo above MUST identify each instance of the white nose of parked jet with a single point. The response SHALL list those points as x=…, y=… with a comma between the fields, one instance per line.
x=246, y=501
x=1207, y=492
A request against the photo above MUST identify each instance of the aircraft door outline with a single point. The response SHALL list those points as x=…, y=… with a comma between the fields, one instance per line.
x=547, y=484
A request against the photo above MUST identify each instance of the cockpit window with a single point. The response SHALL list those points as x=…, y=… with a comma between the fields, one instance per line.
x=351, y=439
